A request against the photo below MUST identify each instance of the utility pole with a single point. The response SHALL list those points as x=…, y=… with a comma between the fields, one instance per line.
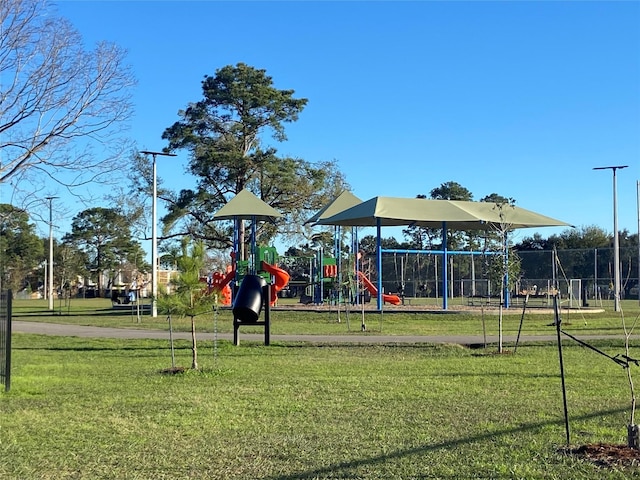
x=154, y=234
x=616, y=246
x=50, y=272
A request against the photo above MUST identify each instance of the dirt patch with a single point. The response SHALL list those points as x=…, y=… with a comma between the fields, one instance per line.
x=606, y=454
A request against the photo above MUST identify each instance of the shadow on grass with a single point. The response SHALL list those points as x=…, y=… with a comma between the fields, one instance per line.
x=344, y=469
x=115, y=348
x=105, y=312
x=494, y=374
x=344, y=342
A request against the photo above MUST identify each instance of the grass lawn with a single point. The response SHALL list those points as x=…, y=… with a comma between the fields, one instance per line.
x=102, y=408
x=98, y=312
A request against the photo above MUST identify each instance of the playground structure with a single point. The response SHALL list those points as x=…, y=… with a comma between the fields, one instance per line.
x=341, y=278
x=259, y=284
x=321, y=279
x=251, y=275
x=263, y=264
x=439, y=214
x=335, y=279
x=414, y=278
x=259, y=280
x=409, y=277
x=326, y=277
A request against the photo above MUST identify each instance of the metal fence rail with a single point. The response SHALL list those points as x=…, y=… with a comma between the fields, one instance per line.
x=5, y=339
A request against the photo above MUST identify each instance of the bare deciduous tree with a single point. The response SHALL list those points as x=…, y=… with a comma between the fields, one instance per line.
x=63, y=108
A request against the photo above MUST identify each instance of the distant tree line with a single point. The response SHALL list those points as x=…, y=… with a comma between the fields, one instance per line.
x=101, y=244
x=98, y=246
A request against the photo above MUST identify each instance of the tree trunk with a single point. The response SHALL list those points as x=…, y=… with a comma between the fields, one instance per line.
x=99, y=294
x=194, y=347
x=241, y=236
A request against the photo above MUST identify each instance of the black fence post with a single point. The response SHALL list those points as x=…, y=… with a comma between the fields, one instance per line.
x=266, y=294
x=5, y=338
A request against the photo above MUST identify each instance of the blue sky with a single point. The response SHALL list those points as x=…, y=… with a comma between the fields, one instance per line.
x=518, y=98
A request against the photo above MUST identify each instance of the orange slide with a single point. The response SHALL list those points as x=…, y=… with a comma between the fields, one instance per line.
x=392, y=299
x=281, y=278
x=221, y=283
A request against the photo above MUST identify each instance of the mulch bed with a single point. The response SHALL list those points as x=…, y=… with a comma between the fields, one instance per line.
x=606, y=454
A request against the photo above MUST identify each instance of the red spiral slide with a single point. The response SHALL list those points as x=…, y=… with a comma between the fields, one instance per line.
x=386, y=298
x=281, y=278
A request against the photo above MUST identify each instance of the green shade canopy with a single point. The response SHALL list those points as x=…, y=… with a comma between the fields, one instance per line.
x=245, y=205
x=497, y=216
x=343, y=201
x=442, y=214
x=458, y=215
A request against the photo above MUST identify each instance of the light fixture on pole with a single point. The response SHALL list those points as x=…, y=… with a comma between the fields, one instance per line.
x=154, y=235
x=50, y=271
x=616, y=246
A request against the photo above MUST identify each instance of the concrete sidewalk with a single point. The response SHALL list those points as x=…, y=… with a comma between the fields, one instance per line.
x=359, y=338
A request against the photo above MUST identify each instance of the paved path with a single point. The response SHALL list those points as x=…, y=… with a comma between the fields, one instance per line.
x=371, y=338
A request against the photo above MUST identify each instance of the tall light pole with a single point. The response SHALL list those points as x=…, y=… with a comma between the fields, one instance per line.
x=616, y=246
x=50, y=287
x=154, y=235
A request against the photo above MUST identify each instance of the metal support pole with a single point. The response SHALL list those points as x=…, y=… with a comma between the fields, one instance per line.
x=445, y=280
x=266, y=295
x=506, y=270
x=595, y=275
x=379, y=300
x=558, y=324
